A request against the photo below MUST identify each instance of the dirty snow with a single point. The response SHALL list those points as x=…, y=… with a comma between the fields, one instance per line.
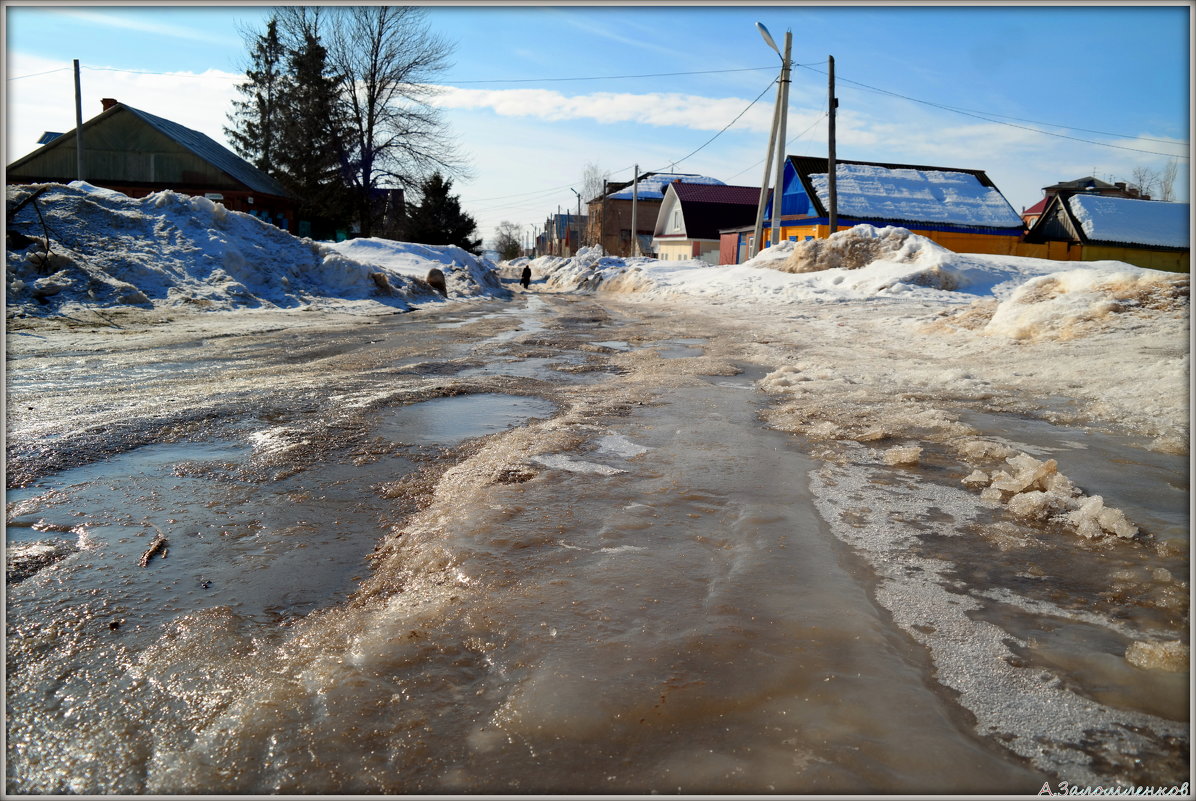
x=175, y=251
x=1109, y=337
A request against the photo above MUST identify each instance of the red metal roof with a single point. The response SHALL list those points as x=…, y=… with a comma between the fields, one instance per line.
x=1037, y=208
x=710, y=193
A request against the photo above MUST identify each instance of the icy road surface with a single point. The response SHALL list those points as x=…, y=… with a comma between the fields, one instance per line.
x=561, y=544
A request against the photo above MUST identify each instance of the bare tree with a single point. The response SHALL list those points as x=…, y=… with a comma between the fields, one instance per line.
x=1167, y=180
x=506, y=240
x=387, y=57
x=593, y=181
x=1145, y=179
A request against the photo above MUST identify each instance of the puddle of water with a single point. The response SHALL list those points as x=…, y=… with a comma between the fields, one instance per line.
x=230, y=542
x=452, y=420
x=681, y=348
x=614, y=344
x=538, y=368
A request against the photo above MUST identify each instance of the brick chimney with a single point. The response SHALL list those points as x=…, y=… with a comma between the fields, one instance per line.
x=108, y=102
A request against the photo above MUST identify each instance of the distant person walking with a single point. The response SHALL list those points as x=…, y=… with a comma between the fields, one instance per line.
x=526, y=278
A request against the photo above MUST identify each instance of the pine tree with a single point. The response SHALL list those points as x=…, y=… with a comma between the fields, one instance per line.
x=438, y=220
x=255, y=120
x=310, y=150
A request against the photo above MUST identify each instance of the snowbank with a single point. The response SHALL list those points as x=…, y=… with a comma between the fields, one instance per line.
x=466, y=275
x=178, y=251
x=873, y=313
x=1024, y=297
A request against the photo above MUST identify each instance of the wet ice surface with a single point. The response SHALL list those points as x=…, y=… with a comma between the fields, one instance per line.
x=597, y=571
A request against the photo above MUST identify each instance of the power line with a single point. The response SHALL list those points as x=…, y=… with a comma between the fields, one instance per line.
x=612, y=77
x=1022, y=127
x=725, y=127
x=612, y=172
x=825, y=114
x=36, y=74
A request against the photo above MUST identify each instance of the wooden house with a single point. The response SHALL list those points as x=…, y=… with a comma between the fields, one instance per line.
x=692, y=215
x=1087, y=186
x=961, y=209
x=1085, y=227
x=137, y=153
x=610, y=214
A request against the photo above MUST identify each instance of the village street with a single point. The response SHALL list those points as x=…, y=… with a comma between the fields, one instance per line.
x=561, y=542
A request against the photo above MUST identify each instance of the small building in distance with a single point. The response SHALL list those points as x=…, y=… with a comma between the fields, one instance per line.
x=610, y=213
x=961, y=209
x=1085, y=227
x=692, y=215
x=1087, y=186
x=137, y=153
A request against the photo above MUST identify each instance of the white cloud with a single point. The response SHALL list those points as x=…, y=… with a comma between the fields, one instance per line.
x=116, y=20
x=654, y=108
x=41, y=103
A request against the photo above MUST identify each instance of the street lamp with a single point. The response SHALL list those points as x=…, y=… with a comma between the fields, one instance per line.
x=776, y=143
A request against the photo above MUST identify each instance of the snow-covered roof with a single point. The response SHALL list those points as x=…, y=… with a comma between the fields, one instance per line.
x=876, y=192
x=652, y=187
x=1131, y=221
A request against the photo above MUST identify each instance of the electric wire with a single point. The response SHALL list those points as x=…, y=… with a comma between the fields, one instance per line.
x=980, y=116
x=613, y=172
x=609, y=77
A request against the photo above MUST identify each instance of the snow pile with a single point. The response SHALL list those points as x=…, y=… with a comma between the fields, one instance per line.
x=174, y=250
x=465, y=274
x=1037, y=491
x=860, y=246
x=1074, y=302
x=935, y=196
x=1140, y=222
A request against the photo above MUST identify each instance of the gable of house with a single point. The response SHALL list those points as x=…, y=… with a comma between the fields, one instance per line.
x=124, y=145
x=1114, y=221
x=705, y=209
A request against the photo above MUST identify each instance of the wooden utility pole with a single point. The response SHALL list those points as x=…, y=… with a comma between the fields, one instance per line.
x=635, y=195
x=831, y=179
x=78, y=126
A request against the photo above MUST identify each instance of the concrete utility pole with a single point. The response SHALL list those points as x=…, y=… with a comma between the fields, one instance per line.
x=78, y=126
x=778, y=185
x=776, y=145
x=635, y=195
x=831, y=178
x=772, y=144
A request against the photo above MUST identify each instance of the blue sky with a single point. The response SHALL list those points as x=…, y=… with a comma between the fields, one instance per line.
x=1047, y=93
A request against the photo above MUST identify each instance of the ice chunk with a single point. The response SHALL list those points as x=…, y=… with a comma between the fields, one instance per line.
x=902, y=455
x=1031, y=474
x=977, y=478
x=1035, y=505
x=1114, y=521
x=1170, y=656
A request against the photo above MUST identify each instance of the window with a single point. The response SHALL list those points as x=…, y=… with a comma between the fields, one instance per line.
x=676, y=219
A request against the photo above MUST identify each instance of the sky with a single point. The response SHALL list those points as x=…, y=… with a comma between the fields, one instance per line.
x=536, y=94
